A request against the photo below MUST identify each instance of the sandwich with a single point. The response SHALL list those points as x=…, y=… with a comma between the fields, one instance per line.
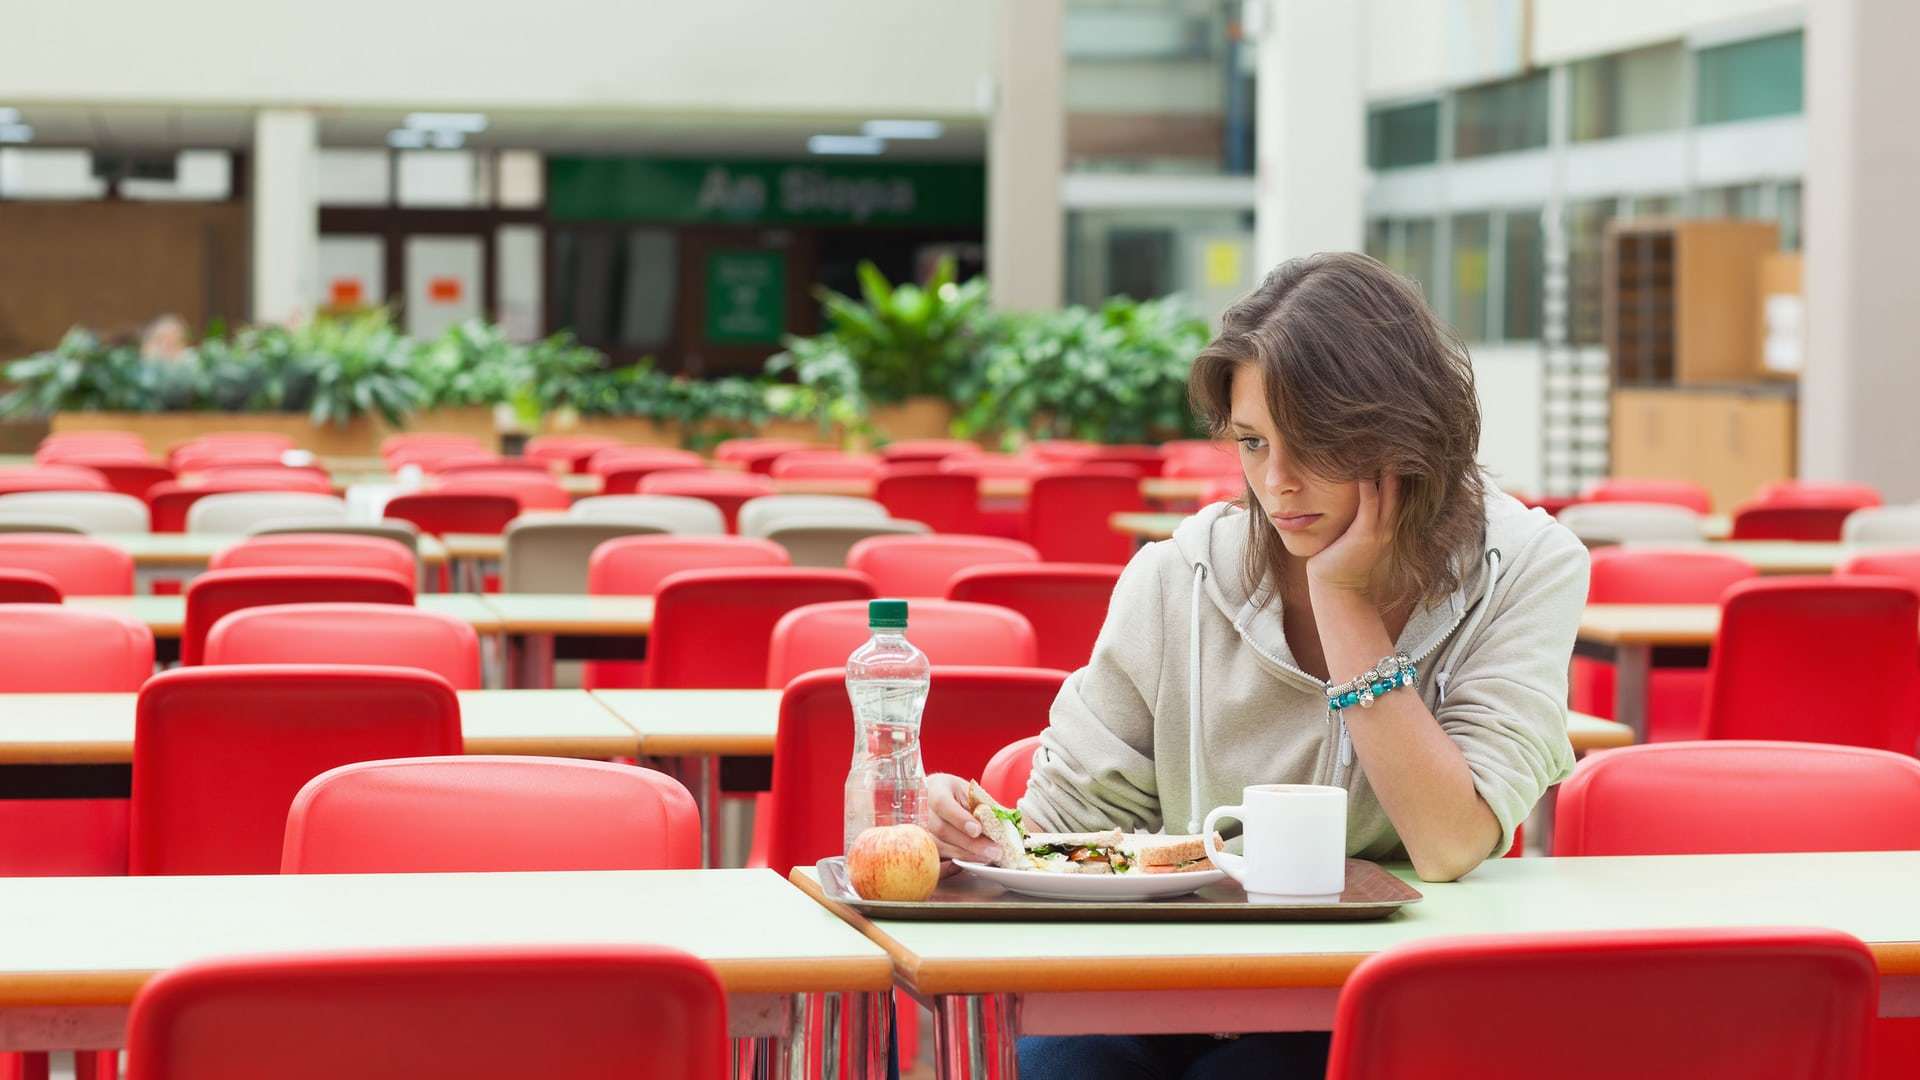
x=1107, y=852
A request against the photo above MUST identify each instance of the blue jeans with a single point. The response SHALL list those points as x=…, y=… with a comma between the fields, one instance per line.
x=1288, y=1055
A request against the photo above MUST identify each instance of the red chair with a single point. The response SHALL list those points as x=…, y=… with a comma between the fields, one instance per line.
x=624, y=476
x=1904, y=565
x=1824, y=660
x=438, y=440
x=1819, y=493
x=201, y=459
x=1709, y=1004
x=944, y=502
x=335, y=633
x=620, y=457
x=635, y=566
x=50, y=478
x=1059, y=451
x=1005, y=776
x=533, y=491
x=556, y=1012
x=432, y=459
x=28, y=587
x=467, y=465
x=1759, y=521
x=1147, y=459
x=983, y=466
x=1068, y=515
x=758, y=455
x=78, y=565
x=337, y=550
x=220, y=752
x=824, y=464
x=1673, y=492
x=924, y=565
x=268, y=440
x=1066, y=603
x=728, y=491
x=280, y=477
x=573, y=451
x=217, y=593
x=824, y=635
x=1622, y=575
x=129, y=474
x=438, y=513
x=169, y=502
x=480, y=814
x=1209, y=466
x=117, y=441
x=926, y=451
x=712, y=629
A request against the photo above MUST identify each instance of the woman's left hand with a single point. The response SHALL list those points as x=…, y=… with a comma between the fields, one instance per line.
x=1350, y=561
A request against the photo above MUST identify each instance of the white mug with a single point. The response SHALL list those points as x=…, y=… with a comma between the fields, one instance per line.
x=1295, y=839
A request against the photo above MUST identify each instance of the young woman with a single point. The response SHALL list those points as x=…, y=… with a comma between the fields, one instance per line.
x=1366, y=532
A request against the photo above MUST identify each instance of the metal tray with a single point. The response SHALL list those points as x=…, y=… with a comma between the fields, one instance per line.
x=1371, y=893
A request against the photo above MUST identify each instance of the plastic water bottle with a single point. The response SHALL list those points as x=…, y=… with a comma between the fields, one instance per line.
x=887, y=681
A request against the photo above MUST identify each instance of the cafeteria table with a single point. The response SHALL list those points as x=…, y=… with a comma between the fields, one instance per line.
x=181, y=554
x=1626, y=636
x=542, y=627
x=75, y=951
x=990, y=981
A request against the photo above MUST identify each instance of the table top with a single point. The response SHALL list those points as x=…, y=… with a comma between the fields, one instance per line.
x=1147, y=526
x=167, y=615
x=94, y=941
x=194, y=549
x=1787, y=556
x=1650, y=624
x=561, y=613
x=1872, y=895
x=97, y=729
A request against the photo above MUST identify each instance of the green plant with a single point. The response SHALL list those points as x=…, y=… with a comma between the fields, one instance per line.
x=355, y=365
x=81, y=372
x=900, y=340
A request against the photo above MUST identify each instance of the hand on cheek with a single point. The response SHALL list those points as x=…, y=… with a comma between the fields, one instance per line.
x=1350, y=561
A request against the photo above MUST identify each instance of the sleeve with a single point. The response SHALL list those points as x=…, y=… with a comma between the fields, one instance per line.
x=1506, y=698
x=1094, y=769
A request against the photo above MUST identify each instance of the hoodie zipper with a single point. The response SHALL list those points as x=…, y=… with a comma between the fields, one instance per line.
x=1343, y=741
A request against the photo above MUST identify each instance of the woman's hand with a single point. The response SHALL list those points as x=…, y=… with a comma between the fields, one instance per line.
x=952, y=824
x=1350, y=561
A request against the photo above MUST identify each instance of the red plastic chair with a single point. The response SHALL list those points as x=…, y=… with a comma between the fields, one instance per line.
x=1066, y=603
x=1819, y=493
x=556, y=1012
x=220, y=752
x=1060, y=451
x=1904, y=565
x=169, y=502
x=1149, y=460
x=712, y=629
x=824, y=464
x=336, y=550
x=438, y=513
x=1672, y=492
x=758, y=455
x=413, y=440
x=926, y=451
x=533, y=491
x=993, y=465
x=574, y=451
x=824, y=635
x=51, y=478
x=624, y=476
x=432, y=459
x=635, y=566
x=619, y=457
x=944, y=502
x=116, y=441
x=468, y=465
x=924, y=565
x=1623, y=575
x=728, y=491
x=1759, y=521
x=201, y=459
x=268, y=477
x=1709, y=1004
x=129, y=474
x=1209, y=466
x=218, y=593
x=1824, y=660
x=28, y=587
x=1068, y=515
x=78, y=565
x=338, y=633
x=1005, y=776
x=484, y=814
x=238, y=441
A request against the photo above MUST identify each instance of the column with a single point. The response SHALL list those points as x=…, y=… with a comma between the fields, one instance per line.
x=1310, y=129
x=1026, y=153
x=1857, y=392
x=286, y=214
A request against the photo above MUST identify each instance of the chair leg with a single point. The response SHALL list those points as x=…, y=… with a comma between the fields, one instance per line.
x=96, y=1065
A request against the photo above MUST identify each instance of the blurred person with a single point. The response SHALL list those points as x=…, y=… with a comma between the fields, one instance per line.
x=165, y=338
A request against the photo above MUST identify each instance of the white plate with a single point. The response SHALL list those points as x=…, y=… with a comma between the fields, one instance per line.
x=1093, y=886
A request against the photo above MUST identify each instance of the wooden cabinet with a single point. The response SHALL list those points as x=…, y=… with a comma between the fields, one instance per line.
x=1732, y=441
x=1682, y=304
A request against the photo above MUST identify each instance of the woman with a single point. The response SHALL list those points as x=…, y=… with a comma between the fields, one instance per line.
x=1366, y=531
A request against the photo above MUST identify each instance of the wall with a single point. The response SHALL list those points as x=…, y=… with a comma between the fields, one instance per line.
x=1508, y=378
x=1571, y=29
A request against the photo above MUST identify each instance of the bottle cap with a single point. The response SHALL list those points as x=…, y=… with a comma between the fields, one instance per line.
x=886, y=614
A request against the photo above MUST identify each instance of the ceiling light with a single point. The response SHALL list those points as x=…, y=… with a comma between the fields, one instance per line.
x=845, y=144
x=15, y=133
x=407, y=139
x=904, y=129
x=9, y=116
x=445, y=140
x=467, y=123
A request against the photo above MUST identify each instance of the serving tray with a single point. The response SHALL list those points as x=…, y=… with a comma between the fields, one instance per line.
x=1371, y=893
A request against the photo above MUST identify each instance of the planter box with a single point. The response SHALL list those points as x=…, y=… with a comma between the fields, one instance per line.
x=360, y=438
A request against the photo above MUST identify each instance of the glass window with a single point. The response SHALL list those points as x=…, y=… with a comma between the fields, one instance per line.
x=1521, y=276
x=1749, y=79
x=1586, y=268
x=1501, y=117
x=615, y=288
x=1204, y=255
x=1734, y=201
x=1472, y=244
x=1163, y=86
x=355, y=178
x=1629, y=93
x=440, y=178
x=49, y=173
x=1406, y=245
x=1791, y=223
x=1403, y=135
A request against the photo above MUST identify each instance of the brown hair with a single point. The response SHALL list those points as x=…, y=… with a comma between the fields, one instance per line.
x=1363, y=381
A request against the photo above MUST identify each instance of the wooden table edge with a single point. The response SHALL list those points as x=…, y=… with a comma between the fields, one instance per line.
x=1634, y=636
x=706, y=745
x=111, y=752
x=1607, y=739
x=566, y=746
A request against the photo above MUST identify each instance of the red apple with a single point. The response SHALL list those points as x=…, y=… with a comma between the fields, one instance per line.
x=894, y=862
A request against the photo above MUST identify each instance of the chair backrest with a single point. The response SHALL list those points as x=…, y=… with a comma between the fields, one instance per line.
x=556, y=1012
x=549, y=555
x=728, y=491
x=970, y=714
x=946, y=502
x=404, y=533
x=1148, y=459
x=993, y=465
x=572, y=451
x=669, y=513
x=758, y=455
x=220, y=752
x=825, y=540
x=1060, y=451
x=217, y=593
x=760, y=515
x=824, y=464
x=625, y=477
x=109, y=440
x=927, y=450
x=80, y=565
x=950, y=632
x=1066, y=603
x=51, y=478
x=51, y=648
x=385, y=635
x=1731, y=796
x=532, y=490
x=94, y=511
x=409, y=440
x=610, y=458
x=1005, y=776
x=1819, y=493
x=1624, y=575
x=1826, y=660
x=1710, y=1004
x=712, y=628
x=29, y=587
x=1625, y=522
x=438, y=513
x=1872, y=525
x=1068, y=516
x=238, y=511
x=481, y=814
x=312, y=549
x=432, y=458
x=169, y=502
x=131, y=476
x=1208, y=466
x=1671, y=492
x=1761, y=521
x=635, y=565
x=489, y=465
x=1904, y=565
x=923, y=565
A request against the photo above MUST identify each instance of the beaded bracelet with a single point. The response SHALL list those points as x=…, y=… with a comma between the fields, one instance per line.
x=1389, y=674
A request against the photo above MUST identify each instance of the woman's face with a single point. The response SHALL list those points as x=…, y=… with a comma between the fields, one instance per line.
x=1309, y=513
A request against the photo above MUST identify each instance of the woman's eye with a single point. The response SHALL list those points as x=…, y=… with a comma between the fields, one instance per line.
x=1253, y=442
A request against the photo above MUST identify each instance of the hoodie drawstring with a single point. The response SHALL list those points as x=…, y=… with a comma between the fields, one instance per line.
x=1193, y=699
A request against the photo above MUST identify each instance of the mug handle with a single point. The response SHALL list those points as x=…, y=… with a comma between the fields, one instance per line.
x=1234, y=865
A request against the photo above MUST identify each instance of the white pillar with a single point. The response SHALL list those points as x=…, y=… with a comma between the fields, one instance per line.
x=1862, y=374
x=1310, y=129
x=1026, y=154
x=286, y=214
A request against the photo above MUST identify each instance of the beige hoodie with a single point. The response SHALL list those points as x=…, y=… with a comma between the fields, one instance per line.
x=1192, y=687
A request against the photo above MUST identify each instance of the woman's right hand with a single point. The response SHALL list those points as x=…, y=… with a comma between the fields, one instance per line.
x=952, y=824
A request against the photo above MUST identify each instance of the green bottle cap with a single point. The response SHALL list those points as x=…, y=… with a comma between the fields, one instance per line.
x=886, y=614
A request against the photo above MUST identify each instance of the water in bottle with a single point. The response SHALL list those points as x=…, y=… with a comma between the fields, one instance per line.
x=887, y=681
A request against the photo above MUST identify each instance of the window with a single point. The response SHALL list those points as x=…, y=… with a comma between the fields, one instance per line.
x=1406, y=245
x=1586, y=268
x=1403, y=135
x=1788, y=210
x=1202, y=254
x=1472, y=241
x=1158, y=86
x=1498, y=261
x=1749, y=79
x=615, y=288
x=1520, y=277
x=1501, y=117
x=1734, y=201
x=1630, y=93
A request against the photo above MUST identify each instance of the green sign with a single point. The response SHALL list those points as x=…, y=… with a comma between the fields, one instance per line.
x=746, y=297
x=765, y=192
